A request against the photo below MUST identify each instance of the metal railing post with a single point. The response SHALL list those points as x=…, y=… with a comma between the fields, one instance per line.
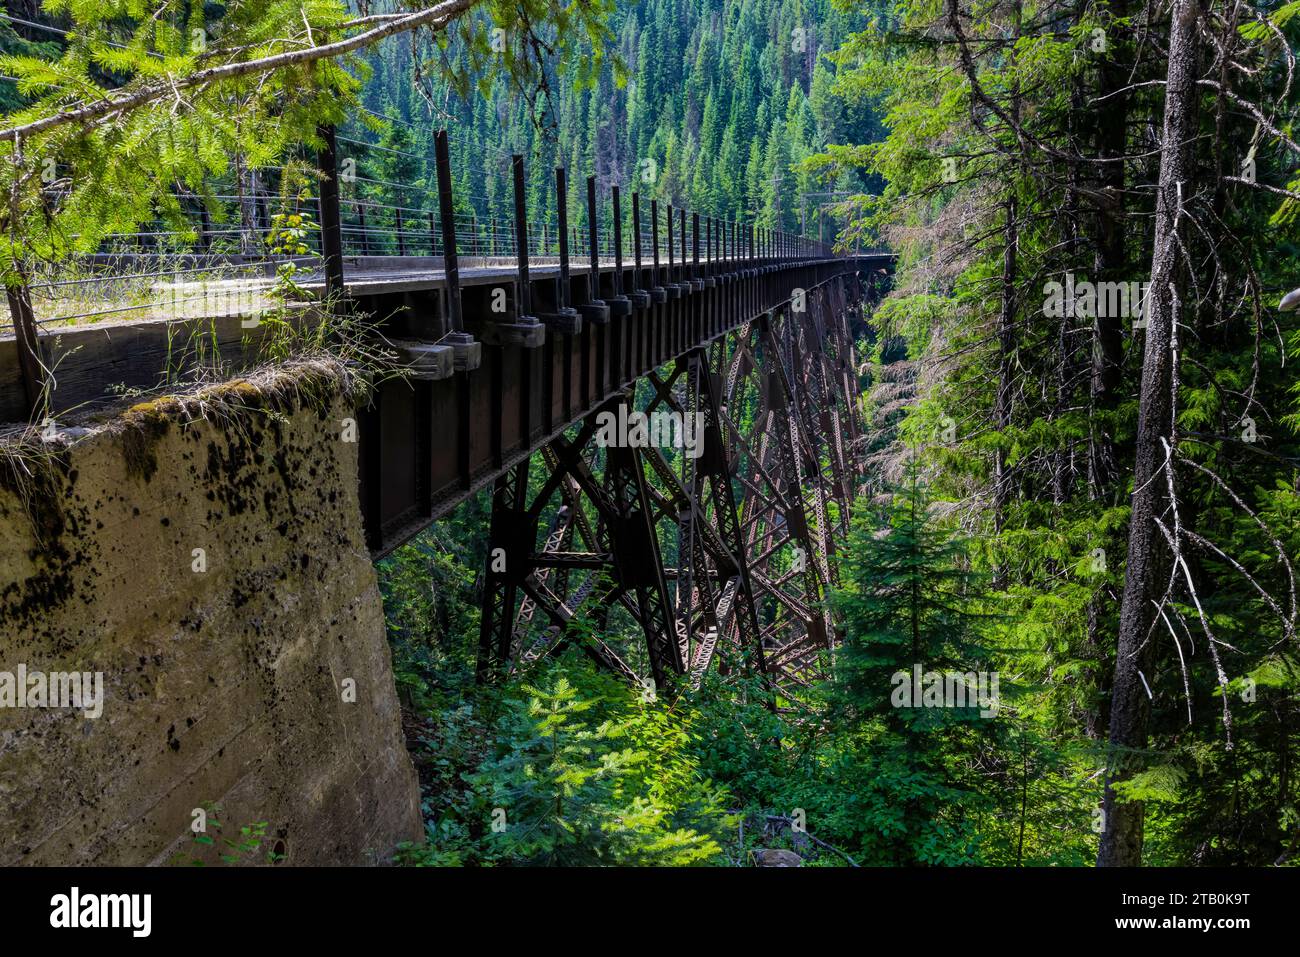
x=466, y=351
x=619, y=305
x=640, y=297
x=594, y=309
x=331, y=228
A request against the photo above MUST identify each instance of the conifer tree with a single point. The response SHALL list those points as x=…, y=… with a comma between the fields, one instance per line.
x=912, y=622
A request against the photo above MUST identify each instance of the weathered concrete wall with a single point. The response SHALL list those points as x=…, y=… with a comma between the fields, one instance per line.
x=224, y=685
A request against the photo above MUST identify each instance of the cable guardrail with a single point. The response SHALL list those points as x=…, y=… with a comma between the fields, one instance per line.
x=236, y=241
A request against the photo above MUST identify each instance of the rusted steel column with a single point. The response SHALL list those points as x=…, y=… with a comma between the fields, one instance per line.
x=730, y=305
x=667, y=335
x=710, y=283
x=694, y=326
x=620, y=307
x=595, y=310
x=361, y=222
x=684, y=323
x=710, y=248
x=457, y=338
x=751, y=268
x=205, y=225
x=620, y=310
x=714, y=246
x=523, y=329
x=696, y=279
x=467, y=354
x=682, y=326
x=640, y=295
x=565, y=320
x=524, y=294
x=674, y=290
x=658, y=291
x=683, y=276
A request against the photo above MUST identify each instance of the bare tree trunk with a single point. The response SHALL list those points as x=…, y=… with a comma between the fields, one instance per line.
x=1121, y=838
x=1062, y=461
x=1110, y=263
x=1006, y=332
x=1109, y=260
x=1006, y=364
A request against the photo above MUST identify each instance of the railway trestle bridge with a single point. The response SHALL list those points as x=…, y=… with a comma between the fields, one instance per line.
x=516, y=354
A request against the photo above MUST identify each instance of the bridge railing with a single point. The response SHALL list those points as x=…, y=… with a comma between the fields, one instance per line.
x=231, y=243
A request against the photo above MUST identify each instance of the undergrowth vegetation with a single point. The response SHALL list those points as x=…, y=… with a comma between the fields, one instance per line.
x=565, y=763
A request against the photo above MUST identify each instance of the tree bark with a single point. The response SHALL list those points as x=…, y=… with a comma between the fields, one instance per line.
x=1006, y=326
x=1110, y=263
x=1006, y=368
x=1110, y=259
x=1121, y=838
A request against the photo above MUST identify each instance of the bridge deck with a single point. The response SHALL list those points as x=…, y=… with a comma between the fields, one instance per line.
x=106, y=296
x=113, y=344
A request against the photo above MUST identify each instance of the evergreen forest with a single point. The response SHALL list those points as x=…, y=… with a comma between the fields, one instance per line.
x=1078, y=462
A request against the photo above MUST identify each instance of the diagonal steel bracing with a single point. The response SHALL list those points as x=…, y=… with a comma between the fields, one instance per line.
x=722, y=551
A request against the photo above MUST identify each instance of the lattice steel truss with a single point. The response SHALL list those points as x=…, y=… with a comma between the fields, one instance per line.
x=726, y=555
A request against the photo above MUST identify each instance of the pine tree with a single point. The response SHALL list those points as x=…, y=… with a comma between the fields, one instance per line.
x=912, y=622
x=585, y=774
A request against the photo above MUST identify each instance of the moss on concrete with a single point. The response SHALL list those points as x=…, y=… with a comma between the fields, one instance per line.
x=223, y=684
